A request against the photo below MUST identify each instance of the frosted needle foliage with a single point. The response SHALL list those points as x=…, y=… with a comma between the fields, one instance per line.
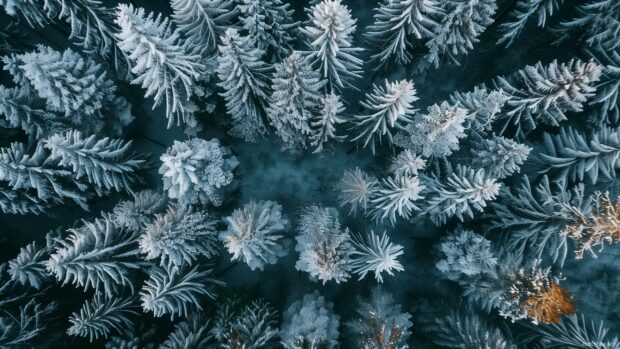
x=375, y=254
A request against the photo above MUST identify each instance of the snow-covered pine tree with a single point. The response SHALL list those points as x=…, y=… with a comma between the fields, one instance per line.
x=239, y=324
x=397, y=25
x=387, y=108
x=92, y=28
x=254, y=234
x=483, y=106
x=519, y=16
x=37, y=175
x=535, y=216
x=29, y=266
x=198, y=171
x=598, y=21
x=464, y=191
x=572, y=156
x=101, y=316
x=97, y=255
x=407, y=164
x=375, y=254
x=108, y=164
x=21, y=108
x=380, y=314
x=70, y=83
x=269, y=24
x=435, y=133
x=135, y=214
x=330, y=36
x=500, y=157
x=324, y=247
x=356, y=189
x=323, y=125
x=294, y=101
x=244, y=78
x=461, y=23
x=464, y=254
x=165, y=67
x=202, y=21
x=545, y=94
x=24, y=201
x=177, y=292
x=396, y=196
x=179, y=237
x=310, y=323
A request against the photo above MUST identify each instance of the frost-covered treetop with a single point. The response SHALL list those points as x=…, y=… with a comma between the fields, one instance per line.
x=330, y=33
x=165, y=67
x=197, y=171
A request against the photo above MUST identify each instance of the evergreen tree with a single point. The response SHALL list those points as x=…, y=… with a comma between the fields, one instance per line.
x=179, y=237
x=396, y=196
x=254, y=234
x=356, y=189
x=464, y=254
x=294, y=100
x=162, y=64
x=462, y=22
x=24, y=201
x=176, y=292
x=407, y=164
x=310, y=323
x=380, y=323
x=29, y=266
x=36, y=175
x=483, y=106
x=135, y=214
x=323, y=125
x=463, y=191
x=435, y=133
x=202, y=21
x=324, y=247
x=330, y=37
x=69, y=83
x=535, y=216
x=398, y=24
x=572, y=155
x=375, y=254
x=92, y=27
x=500, y=157
x=388, y=108
x=101, y=316
x=23, y=109
x=244, y=78
x=97, y=255
x=269, y=24
x=106, y=163
x=198, y=171
x=239, y=324
x=524, y=9
x=545, y=93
